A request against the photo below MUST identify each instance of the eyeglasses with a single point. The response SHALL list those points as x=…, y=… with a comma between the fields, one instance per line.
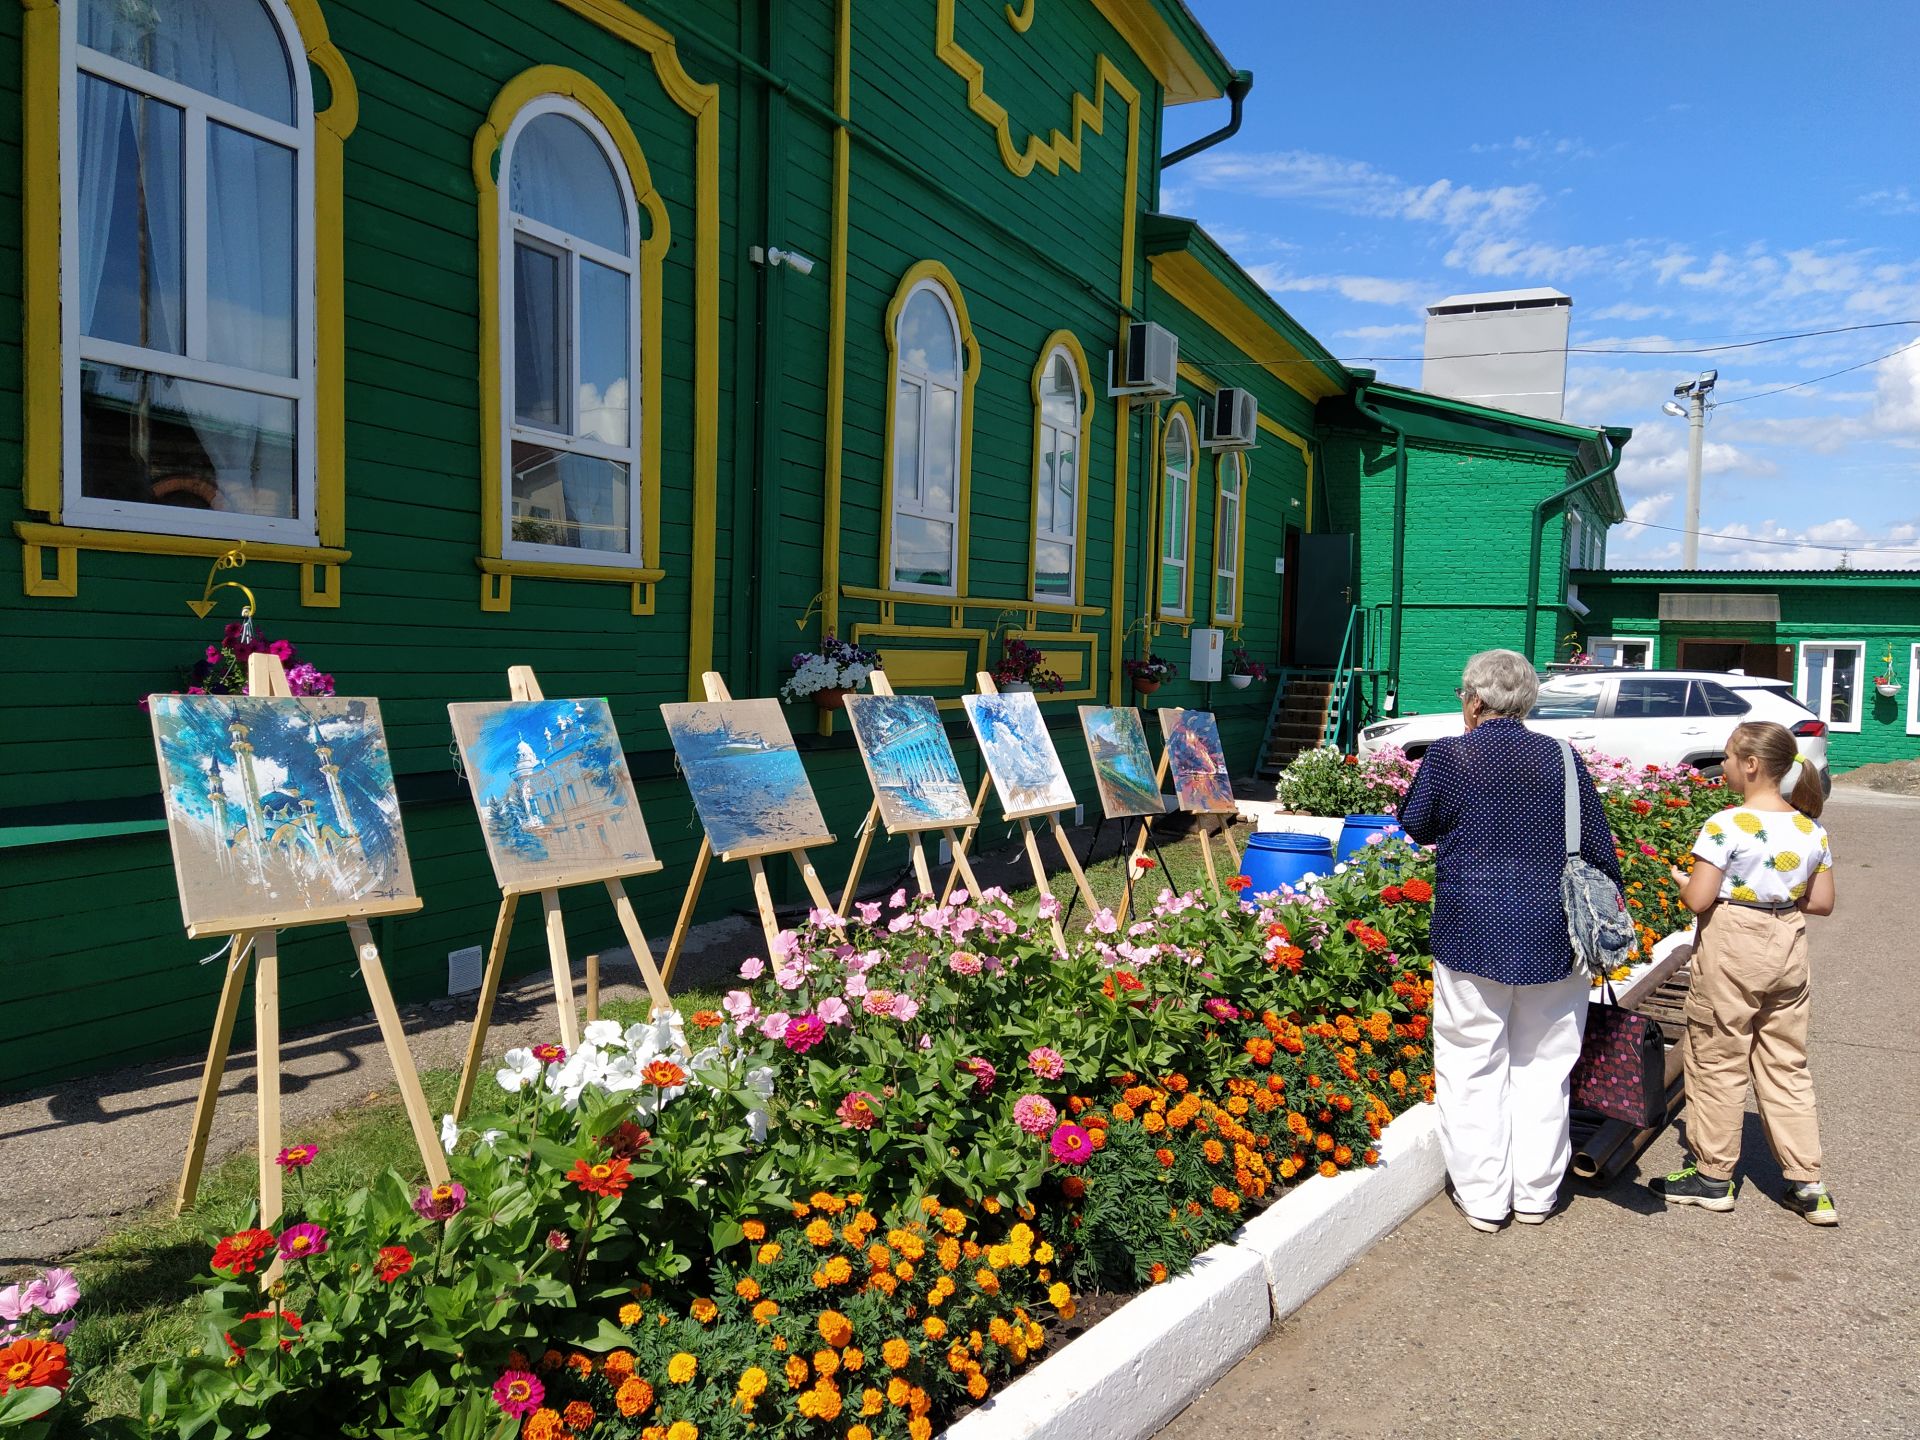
x=1460, y=693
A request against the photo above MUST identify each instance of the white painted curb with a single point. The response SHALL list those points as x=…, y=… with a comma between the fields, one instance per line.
x=1267, y=815
x=1145, y=1363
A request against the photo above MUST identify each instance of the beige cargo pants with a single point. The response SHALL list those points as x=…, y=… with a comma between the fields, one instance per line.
x=1747, y=1009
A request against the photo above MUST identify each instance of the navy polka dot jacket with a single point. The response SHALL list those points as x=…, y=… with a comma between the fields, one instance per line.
x=1491, y=801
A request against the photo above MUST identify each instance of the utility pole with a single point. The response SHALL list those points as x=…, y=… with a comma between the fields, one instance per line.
x=1696, y=392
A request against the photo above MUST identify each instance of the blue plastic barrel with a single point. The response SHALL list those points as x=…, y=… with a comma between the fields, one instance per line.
x=1355, y=832
x=1274, y=858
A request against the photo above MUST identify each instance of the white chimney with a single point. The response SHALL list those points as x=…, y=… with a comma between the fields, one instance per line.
x=1507, y=350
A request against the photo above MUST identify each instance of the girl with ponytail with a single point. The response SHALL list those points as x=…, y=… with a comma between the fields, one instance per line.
x=1760, y=868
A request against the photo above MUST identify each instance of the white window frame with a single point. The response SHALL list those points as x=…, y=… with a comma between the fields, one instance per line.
x=1913, y=690
x=1821, y=705
x=1226, y=564
x=1646, y=640
x=302, y=387
x=1176, y=561
x=514, y=228
x=1051, y=436
x=926, y=382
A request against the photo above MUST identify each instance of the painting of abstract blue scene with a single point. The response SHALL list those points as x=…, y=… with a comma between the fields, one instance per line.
x=1199, y=765
x=1122, y=763
x=550, y=782
x=747, y=781
x=1019, y=753
x=910, y=762
x=281, y=811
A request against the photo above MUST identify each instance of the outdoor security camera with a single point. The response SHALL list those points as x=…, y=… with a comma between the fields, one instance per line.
x=792, y=258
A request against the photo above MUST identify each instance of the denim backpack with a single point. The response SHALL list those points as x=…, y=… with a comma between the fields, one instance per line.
x=1597, y=920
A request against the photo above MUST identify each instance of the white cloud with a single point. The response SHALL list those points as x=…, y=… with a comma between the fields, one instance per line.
x=1367, y=289
x=1355, y=187
x=1513, y=258
x=1896, y=394
x=1382, y=332
x=1625, y=311
x=1543, y=146
x=1649, y=508
x=1898, y=200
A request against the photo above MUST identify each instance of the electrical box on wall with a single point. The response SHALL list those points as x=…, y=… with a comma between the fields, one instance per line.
x=1209, y=645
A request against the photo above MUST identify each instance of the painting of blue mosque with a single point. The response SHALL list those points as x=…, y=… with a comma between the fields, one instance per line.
x=1122, y=763
x=910, y=762
x=555, y=799
x=748, y=785
x=1019, y=753
x=281, y=811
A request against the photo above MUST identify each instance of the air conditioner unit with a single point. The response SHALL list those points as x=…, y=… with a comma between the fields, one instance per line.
x=1235, y=422
x=1147, y=365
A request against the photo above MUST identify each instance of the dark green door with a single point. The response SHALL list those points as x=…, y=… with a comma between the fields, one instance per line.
x=1323, y=599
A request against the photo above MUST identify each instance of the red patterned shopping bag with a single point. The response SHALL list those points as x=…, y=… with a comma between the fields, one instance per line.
x=1622, y=1070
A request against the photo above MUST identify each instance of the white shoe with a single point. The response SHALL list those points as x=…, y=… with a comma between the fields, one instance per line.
x=1532, y=1217
x=1485, y=1227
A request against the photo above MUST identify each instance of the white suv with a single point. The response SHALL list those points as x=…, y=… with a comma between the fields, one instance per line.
x=1652, y=717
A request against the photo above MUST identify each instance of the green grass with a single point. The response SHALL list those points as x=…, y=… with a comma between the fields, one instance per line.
x=137, y=1283
x=1185, y=869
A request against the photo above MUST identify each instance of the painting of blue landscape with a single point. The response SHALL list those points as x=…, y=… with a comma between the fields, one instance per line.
x=550, y=782
x=1122, y=763
x=910, y=762
x=745, y=775
x=1199, y=765
x=1019, y=753
x=281, y=811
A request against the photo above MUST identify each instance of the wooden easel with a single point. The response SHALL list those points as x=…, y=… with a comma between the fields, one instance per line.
x=717, y=692
x=1023, y=819
x=267, y=676
x=522, y=685
x=922, y=878
x=1140, y=844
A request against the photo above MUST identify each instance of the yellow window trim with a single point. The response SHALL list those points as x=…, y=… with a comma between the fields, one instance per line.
x=975, y=637
x=934, y=271
x=1182, y=411
x=530, y=85
x=1068, y=341
x=833, y=461
x=1231, y=616
x=41, y=478
x=1198, y=378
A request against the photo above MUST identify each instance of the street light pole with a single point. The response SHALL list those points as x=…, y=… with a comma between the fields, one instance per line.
x=1696, y=440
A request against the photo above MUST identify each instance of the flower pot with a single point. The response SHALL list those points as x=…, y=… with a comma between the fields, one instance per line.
x=1239, y=682
x=1886, y=688
x=832, y=699
x=1145, y=687
x=1015, y=687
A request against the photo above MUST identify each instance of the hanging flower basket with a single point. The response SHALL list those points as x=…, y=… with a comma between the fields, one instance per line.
x=1144, y=687
x=1239, y=682
x=1886, y=688
x=1149, y=674
x=827, y=675
x=833, y=698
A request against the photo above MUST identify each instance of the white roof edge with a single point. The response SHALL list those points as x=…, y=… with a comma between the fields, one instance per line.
x=1497, y=297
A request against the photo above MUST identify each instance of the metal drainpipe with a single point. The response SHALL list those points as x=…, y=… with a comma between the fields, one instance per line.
x=1617, y=439
x=1237, y=89
x=1399, y=532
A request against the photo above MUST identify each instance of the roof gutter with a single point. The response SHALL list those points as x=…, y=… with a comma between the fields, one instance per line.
x=1365, y=377
x=1237, y=89
x=1616, y=439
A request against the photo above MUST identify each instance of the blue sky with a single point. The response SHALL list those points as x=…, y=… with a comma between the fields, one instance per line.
x=1687, y=175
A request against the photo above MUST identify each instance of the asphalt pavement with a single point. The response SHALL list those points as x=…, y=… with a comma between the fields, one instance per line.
x=1621, y=1318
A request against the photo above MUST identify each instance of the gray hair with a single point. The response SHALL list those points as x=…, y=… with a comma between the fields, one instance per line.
x=1504, y=680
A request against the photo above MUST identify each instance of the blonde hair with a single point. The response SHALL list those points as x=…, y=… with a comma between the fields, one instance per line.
x=1773, y=746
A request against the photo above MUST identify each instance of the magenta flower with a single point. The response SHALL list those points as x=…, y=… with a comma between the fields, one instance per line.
x=440, y=1202
x=296, y=1157
x=1046, y=1062
x=1221, y=1009
x=559, y=1240
x=859, y=1110
x=518, y=1392
x=982, y=1071
x=1071, y=1145
x=549, y=1054
x=1034, y=1114
x=804, y=1032
x=302, y=1242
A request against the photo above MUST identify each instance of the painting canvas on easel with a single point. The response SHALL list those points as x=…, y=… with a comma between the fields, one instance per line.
x=1199, y=765
x=1019, y=753
x=281, y=811
x=748, y=784
x=550, y=782
x=1122, y=763
x=910, y=762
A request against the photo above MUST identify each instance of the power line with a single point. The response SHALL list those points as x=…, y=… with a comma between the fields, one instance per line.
x=1801, y=385
x=1861, y=549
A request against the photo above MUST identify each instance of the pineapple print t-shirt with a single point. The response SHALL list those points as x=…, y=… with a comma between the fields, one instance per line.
x=1766, y=855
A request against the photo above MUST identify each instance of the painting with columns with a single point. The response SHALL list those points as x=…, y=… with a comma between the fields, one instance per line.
x=281, y=810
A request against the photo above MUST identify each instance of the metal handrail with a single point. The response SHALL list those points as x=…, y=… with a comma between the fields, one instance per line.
x=1343, y=678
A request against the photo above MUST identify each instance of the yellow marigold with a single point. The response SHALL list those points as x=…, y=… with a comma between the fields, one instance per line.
x=1000, y=1256
x=797, y=1371
x=920, y=1428
x=819, y=1232
x=683, y=1430
x=801, y=1211
x=935, y=1327
x=1153, y=1122
x=894, y=1353
x=949, y=1252
x=977, y=1385
x=682, y=1368
x=839, y=1270
x=1058, y=1294
x=999, y=1331
x=826, y=1400
x=747, y=1288
x=859, y=1432
x=1043, y=1252
x=853, y=1357
x=753, y=1384
x=765, y=1311
x=903, y=1270
x=958, y=1360
x=1036, y=1337
x=990, y=1205
x=754, y=1230
x=929, y=1205
x=768, y=1253
x=871, y=1401
x=634, y=1397
x=543, y=1424
x=630, y=1314
x=825, y=1363
x=703, y=1310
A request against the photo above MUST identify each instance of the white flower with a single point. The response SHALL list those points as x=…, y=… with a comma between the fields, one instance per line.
x=488, y=1137
x=759, y=1080
x=520, y=1071
x=602, y=1032
x=449, y=1133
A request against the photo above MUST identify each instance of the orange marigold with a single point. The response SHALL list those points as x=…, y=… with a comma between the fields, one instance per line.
x=754, y=1230
x=819, y=1232
x=1165, y=1157
x=634, y=1397
x=835, y=1328
x=934, y=1327
x=765, y=1311
x=895, y=1353
x=703, y=1310
x=747, y=1288
x=1158, y=1273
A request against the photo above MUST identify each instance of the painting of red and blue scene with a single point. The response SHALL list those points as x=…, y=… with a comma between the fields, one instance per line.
x=551, y=785
x=748, y=784
x=916, y=780
x=1199, y=766
x=1019, y=753
x=281, y=810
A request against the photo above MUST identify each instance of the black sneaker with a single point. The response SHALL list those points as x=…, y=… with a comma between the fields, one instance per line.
x=1814, y=1202
x=1690, y=1187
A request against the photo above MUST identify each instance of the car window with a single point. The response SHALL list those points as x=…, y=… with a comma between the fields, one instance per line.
x=1778, y=693
x=1567, y=697
x=1649, y=699
x=1708, y=698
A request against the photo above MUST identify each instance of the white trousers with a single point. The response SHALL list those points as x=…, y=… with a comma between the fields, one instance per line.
x=1502, y=1058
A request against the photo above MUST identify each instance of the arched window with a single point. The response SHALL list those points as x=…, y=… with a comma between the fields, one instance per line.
x=1176, y=515
x=1229, y=536
x=1056, y=480
x=187, y=270
x=927, y=426
x=570, y=302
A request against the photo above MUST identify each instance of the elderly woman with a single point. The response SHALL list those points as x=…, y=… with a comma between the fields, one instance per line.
x=1509, y=1007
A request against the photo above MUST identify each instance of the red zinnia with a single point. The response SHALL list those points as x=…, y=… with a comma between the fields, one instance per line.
x=663, y=1073
x=607, y=1178
x=27, y=1364
x=291, y=1320
x=1417, y=890
x=241, y=1252
x=1238, y=883
x=1393, y=895
x=393, y=1261
x=1145, y=862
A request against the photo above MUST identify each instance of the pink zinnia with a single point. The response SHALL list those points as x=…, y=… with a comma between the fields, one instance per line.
x=1221, y=1009
x=905, y=1007
x=549, y=1054
x=878, y=1002
x=440, y=1202
x=519, y=1392
x=963, y=963
x=1034, y=1114
x=296, y=1157
x=982, y=1071
x=1071, y=1145
x=1046, y=1062
x=804, y=1032
x=858, y=1111
x=301, y=1242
